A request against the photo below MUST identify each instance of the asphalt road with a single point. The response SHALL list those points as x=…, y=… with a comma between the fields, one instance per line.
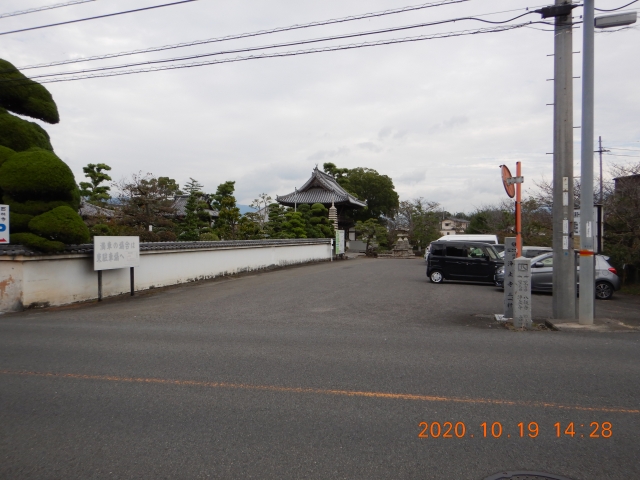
x=321, y=371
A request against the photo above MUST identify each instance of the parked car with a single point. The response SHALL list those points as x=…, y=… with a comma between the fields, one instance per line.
x=530, y=252
x=467, y=261
x=492, y=239
x=607, y=280
x=500, y=249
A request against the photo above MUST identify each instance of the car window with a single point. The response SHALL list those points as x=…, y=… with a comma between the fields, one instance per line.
x=457, y=251
x=437, y=250
x=548, y=262
x=492, y=253
x=475, y=252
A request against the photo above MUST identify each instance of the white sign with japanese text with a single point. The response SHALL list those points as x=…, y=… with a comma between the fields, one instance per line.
x=115, y=252
x=522, y=293
x=4, y=224
x=339, y=242
x=509, y=277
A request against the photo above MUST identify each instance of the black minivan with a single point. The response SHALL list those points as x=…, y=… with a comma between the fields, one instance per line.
x=463, y=261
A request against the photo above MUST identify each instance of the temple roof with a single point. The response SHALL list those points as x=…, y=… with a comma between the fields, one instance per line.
x=321, y=188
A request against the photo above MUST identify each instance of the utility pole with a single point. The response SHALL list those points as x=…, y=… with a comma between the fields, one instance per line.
x=601, y=151
x=587, y=228
x=564, y=263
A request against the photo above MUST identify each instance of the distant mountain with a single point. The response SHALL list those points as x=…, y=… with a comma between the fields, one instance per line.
x=245, y=209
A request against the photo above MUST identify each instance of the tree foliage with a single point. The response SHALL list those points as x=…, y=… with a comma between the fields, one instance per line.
x=370, y=231
x=366, y=184
x=420, y=217
x=622, y=218
x=24, y=96
x=93, y=190
x=196, y=220
x=146, y=200
x=33, y=180
x=226, y=225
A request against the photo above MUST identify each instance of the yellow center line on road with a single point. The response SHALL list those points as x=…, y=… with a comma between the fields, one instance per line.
x=319, y=391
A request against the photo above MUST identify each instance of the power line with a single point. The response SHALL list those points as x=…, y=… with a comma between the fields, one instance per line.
x=501, y=28
x=621, y=155
x=627, y=149
x=615, y=9
x=252, y=34
x=47, y=7
x=278, y=45
x=99, y=16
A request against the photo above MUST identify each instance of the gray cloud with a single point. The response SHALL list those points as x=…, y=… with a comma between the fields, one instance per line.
x=326, y=154
x=441, y=126
x=370, y=146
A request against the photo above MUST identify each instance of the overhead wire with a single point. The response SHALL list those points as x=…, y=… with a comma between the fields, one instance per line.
x=46, y=7
x=500, y=28
x=264, y=32
x=250, y=34
x=97, y=17
x=616, y=9
x=278, y=45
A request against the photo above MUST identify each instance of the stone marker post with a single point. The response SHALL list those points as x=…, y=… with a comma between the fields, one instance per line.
x=509, y=277
x=522, y=293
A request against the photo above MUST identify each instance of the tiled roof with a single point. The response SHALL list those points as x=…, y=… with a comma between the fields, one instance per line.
x=180, y=203
x=90, y=210
x=87, y=248
x=321, y=188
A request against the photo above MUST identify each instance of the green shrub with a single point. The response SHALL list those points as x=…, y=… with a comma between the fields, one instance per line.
x=21, y=135
x=209, y=237
x=37, y=174
x=5, y=153
x=167, y=236
x=19, y=222
x=100, y=230
x=34, y=207
x=26, y=97
x=147, y=236
x=36, y=242
x=62, y=224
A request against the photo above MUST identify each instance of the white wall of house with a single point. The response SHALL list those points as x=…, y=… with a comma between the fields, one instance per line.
x=28, y=281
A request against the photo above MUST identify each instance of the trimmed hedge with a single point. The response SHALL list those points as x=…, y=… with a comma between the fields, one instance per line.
x=37, y=174
x=62, y=224
x=19, y=222
x=34, y=207
x=34, y=241
x=20, y=135
x=5, y=154
x=26, y=97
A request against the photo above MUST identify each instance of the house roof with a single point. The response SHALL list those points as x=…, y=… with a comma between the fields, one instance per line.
x=88, y=210
x=321, y=188
x=459, y=220
x=180, y=204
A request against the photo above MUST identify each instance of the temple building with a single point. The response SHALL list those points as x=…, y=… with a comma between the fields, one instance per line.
x=324, y=189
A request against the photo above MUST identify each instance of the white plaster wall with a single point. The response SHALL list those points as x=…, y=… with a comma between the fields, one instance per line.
x=64, y=279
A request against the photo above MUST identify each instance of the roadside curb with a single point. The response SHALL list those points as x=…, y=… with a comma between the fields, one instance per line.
x=601, y=325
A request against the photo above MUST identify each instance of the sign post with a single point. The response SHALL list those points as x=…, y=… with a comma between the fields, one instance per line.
x=522, y=295
x=4, y=224
x=110, y=253
x=509, y=275
x=513, y=187
x=339, y=242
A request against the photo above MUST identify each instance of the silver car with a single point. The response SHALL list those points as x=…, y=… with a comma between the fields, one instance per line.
x=607, y=280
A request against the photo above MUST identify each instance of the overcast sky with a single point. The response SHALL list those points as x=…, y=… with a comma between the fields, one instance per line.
x=437, y=116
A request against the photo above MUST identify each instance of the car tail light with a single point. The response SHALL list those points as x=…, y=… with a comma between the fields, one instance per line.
x=613, y=270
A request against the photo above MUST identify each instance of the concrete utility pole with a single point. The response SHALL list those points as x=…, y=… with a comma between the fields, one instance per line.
x=564, y=264
x=587, y=229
